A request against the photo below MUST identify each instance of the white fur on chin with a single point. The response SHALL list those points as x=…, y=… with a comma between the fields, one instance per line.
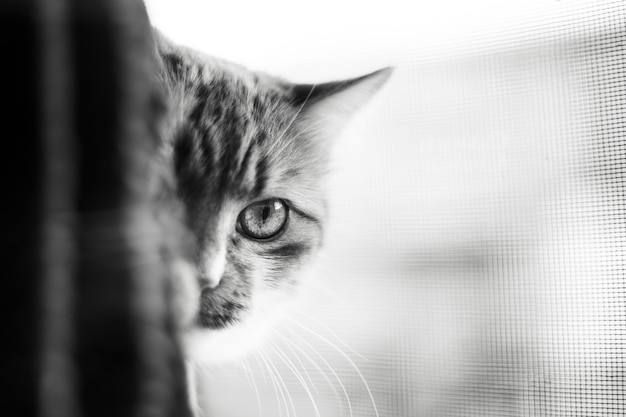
x=212, y=346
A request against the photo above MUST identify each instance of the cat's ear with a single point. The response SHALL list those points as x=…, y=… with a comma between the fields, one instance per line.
x=325, y=108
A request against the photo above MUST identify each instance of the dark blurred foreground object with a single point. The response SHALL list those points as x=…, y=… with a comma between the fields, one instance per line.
x=86, y=323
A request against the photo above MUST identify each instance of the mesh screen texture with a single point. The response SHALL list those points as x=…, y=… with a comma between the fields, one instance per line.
x=474, y=263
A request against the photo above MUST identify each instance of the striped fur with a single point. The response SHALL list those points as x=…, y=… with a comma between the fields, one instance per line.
x=233, y=137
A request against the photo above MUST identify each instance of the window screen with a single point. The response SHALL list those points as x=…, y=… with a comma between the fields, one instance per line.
x=474, y=259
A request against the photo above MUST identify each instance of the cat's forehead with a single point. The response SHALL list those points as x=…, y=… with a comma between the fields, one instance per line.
x=234, y=137
x=222, y=81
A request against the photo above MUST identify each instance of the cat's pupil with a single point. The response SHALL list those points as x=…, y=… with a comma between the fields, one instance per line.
x=266, y=213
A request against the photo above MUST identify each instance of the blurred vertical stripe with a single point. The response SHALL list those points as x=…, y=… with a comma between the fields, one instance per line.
x=88, y=327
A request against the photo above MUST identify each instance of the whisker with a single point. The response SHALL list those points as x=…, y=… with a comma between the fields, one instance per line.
x=291, y=344
x=241, y=363
x=342, y=353
x=297, y=374
x=277, y=387
x=330, y=368
x=258, y=362
x=250, y=376
x=333, y=334
x=299, y=361
x=286, y=390
x=293, y=119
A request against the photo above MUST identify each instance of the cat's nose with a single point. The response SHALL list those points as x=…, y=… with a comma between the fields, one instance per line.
x=212, y=271
x=207, y=282
x=210, y=280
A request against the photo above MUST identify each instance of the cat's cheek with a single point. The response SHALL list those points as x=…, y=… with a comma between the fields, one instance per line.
x=269, y=306
x=204, y=346
x=186, y=293
x=284, y=275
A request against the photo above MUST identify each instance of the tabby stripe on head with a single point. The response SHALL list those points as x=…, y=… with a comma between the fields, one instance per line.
x=190, y=162
x=182, y=149
x=257, y=107
x=261, y=177
x=232, y=146
x=174, y=65
x=208, y=153
x=199, y=111
x=244, y=165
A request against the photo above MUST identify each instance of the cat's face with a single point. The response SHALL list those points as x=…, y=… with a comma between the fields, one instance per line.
x=249, y=154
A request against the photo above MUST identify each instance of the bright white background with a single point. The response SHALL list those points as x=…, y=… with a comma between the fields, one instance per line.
x=334, y=38
x=464, y=258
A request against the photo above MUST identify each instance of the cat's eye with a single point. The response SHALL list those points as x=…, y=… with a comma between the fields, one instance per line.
x=264, y=219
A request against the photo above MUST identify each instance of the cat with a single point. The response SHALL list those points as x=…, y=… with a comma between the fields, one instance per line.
x=248, y=155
